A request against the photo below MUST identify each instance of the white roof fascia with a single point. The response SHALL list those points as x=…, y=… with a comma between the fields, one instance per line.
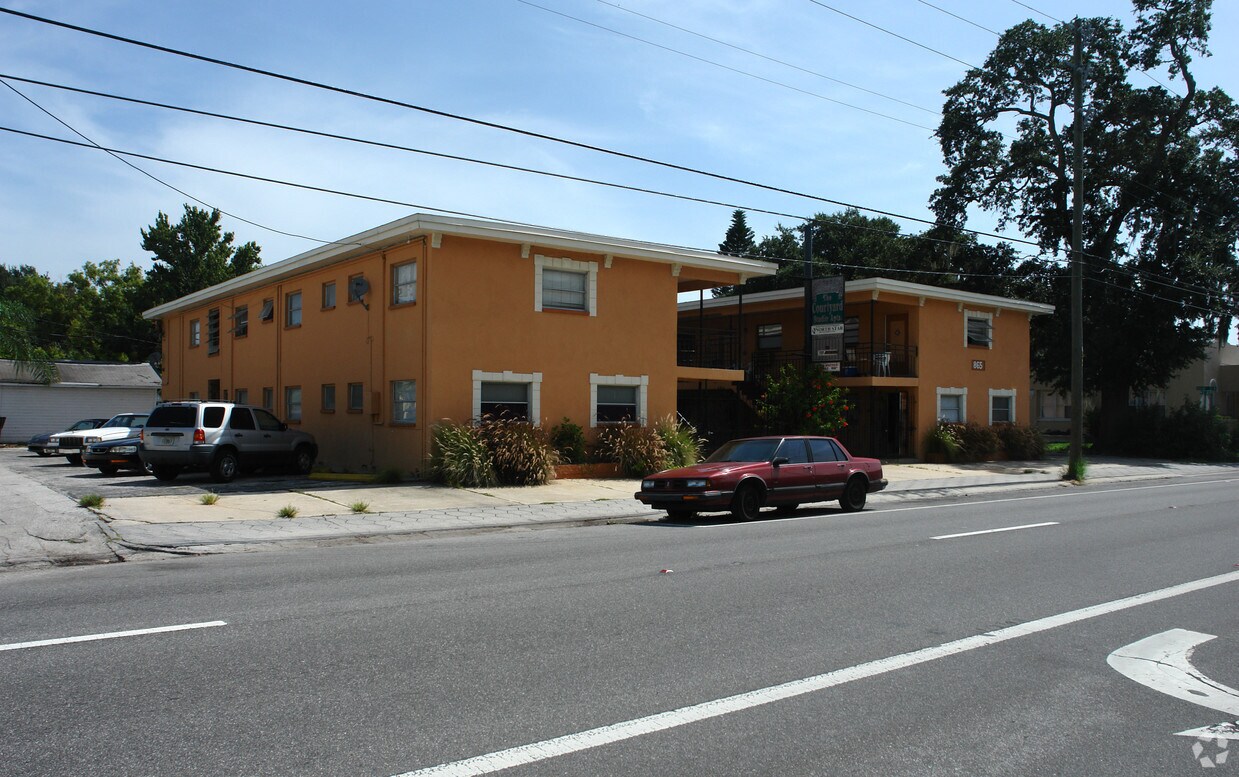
x=891, y=287
x=419, y=224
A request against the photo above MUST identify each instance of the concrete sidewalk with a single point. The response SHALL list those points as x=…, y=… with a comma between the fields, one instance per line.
x=181, y=524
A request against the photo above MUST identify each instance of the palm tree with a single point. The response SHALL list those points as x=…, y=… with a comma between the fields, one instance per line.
x=17, y=343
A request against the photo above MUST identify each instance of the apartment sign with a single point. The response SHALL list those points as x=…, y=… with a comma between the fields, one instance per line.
x=826, y=321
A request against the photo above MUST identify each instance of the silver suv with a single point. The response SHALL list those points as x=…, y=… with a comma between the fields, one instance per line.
x=221, y=438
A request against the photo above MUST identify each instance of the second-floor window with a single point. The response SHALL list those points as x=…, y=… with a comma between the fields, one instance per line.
x=292, y=310
x=770, y=336
x=195, y=333
x=213, y=332
x=241, y=321
x=404, y=283
x=329, y=295
x=978, y=329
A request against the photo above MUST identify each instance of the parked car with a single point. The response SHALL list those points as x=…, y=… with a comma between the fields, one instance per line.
x=221, y=438
x=784, y=472
x=71, y=445
x=111, y=456
x=43, y=444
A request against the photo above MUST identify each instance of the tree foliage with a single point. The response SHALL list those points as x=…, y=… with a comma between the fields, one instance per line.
x=1161, y=194
x=193, y=254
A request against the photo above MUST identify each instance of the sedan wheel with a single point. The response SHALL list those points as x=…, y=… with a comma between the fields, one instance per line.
x=854, y=494
x=303, y=459
x=109, y=469
x=747, y=503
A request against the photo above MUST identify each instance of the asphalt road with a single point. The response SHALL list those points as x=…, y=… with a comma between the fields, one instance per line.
x=387, y=659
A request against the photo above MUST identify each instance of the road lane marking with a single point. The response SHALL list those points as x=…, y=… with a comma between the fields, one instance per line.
x=617, y=732
x=1163, y=662
x=110, y=635
x=994, y=531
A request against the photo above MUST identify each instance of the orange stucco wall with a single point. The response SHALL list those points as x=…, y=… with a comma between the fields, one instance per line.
x=474, y=311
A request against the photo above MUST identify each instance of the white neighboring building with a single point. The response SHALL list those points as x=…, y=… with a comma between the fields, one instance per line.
x=82, y=390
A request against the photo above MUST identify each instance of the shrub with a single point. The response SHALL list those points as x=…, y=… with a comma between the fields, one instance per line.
x=90, y=500
x=943, y=440
x=360, y=507
x=287, y=511
x=980, y=443
x=209, y=498
x=568, y=439
x=798, y=400
x=459, y=458
x=1022, y=443
x=638, y=450
x=1187, y=432
x=520, y=452
x=681, y=441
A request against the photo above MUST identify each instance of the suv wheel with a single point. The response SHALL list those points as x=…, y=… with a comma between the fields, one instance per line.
x=303, y=459
x=224, y=468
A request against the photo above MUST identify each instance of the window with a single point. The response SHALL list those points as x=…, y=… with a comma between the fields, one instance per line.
x=1002, y=406
x=617, y=399
x=243, y=397
x=356, y=397
x=213, y=333
x=953, y=405
x=268, y=311
x=770, y=336
x=978, y=329
x=825, y=451
x=292, y=309
x=617, y=404
x=564, y=290
x=518, y=394
x=195, y=333
x=357, y=287
x=329, y=398
x=212, y=417
x=241, y=419
x=267, y=422
x=195, y=395
x=796, y=451
x=213, y=389
x=268, y=398
x=241, y=321
x=505, y=400
x=565, y=284
x=329, y=295
x=292, y=403
x=404, y=283
x=404, y=402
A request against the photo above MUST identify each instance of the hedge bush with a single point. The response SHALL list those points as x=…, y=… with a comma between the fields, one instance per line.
x=1021, y=443
x=520, y=452
x=639, y=450
x=460, y=458
x=681, y=441
x=568, y=439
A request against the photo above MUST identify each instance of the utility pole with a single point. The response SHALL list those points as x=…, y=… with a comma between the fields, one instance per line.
x=1075, y=465
x=808, y=294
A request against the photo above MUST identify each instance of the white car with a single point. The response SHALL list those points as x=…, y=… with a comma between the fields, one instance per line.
x=71, y=445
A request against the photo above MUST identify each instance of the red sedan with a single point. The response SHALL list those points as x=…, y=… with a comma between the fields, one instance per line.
x=784, y=472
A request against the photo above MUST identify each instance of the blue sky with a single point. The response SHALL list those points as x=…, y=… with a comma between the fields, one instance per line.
x=523, y=64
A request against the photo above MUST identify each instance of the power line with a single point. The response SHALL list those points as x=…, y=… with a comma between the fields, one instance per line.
x=758, y=54
x=492, y=125
x=892, y=33
x=961, y=18
x=721, y=65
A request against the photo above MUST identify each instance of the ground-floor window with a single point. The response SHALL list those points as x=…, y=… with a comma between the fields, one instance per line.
x=953, y=405
x=617, y=399
x=292, y=403
x=507, y=395
x=356, y=397
x=1002, y=406
x=404, y=402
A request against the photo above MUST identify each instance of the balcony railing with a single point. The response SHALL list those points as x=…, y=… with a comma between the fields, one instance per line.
x=714, y=348
x=862, y=360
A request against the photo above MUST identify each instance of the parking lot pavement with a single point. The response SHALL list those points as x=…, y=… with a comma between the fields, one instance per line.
x=140, y=512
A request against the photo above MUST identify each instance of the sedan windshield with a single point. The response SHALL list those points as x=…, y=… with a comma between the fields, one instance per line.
x=746, y=450
x=130, y=421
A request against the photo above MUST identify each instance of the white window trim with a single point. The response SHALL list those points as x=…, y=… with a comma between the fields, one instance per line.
x=979, y=314
x=1001, y=393
x=534, y=379
x=642, y=382
x=963, y=402
x=570, y=265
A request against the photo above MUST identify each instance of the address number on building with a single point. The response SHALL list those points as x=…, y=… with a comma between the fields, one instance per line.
x=978, y=364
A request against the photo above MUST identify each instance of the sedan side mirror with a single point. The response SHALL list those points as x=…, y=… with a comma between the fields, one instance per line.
x=779, y=460
x=283, y=427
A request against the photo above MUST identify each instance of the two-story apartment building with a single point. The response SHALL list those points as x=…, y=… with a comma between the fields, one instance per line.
x=369, y=341
x=913, y=354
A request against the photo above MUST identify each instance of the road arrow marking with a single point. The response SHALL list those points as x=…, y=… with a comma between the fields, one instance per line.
x=1163, y=662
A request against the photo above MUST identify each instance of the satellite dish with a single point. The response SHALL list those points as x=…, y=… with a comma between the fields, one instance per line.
x=358, y=288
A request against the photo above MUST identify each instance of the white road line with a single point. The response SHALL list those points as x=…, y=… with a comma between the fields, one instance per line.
x=110, y=635
x=584, y=740
x=994, y=531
